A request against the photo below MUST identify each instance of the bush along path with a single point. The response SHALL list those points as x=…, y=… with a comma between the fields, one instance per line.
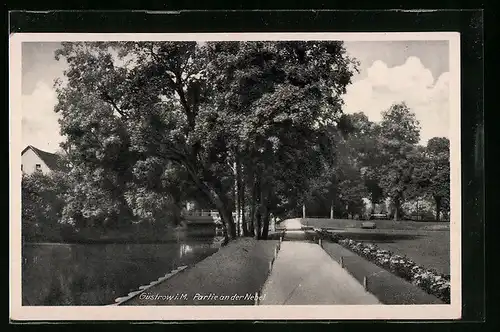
x=427, y=279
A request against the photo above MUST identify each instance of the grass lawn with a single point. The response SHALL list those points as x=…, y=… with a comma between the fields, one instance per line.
x=426, y=243
x=430, y=249
x=387, y=287
x=381, y=224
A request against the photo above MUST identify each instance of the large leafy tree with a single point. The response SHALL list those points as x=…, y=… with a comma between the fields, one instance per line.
x=364, y=141
x=364, y=145
x=129, y=113
x=399, y=136
x=352, y=173
x=432, y=174
x=281, y=98
x=132, y=111
x=340, y=186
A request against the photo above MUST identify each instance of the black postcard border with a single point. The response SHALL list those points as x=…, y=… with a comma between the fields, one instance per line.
x=468, y=22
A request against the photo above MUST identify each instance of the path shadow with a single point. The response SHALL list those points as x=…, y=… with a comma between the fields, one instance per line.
x=380, y=237
x=307, y=236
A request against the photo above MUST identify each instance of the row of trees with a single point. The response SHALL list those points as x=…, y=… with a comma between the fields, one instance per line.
x=255, y=127
x=383, y=161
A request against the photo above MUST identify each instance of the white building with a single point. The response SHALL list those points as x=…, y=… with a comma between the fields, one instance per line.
x=36, y=160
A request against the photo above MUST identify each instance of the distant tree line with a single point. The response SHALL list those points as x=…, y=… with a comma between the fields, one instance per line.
x=383, y=161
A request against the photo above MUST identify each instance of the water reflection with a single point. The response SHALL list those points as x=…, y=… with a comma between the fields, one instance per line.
x=185, y=249
x=72, y=274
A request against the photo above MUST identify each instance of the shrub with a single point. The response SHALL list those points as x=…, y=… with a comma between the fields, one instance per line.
x=41, y=206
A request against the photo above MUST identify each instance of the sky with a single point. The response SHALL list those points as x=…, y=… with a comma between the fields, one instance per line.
x=416, y=72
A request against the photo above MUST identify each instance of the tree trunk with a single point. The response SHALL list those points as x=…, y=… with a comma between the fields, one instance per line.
x=253, y=204
x=216, y=199
x=251, y=219
x=224, y=232
x=265, y=214
x=243, y=209
x=397, y=208
x=265, y=226
x=236, y=196
x=437, y=199
x=226, y=218
x=241, y=197
x=257, y=224
x=257, y=218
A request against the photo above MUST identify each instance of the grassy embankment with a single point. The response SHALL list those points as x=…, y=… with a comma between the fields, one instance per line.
x=231, y=276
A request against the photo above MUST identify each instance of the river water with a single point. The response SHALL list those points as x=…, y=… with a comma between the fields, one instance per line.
x=96, y=274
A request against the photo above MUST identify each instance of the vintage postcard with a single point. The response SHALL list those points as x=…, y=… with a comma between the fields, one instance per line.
x=235, y=176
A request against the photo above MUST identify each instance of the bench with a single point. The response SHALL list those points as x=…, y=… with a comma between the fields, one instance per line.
x=368, y=225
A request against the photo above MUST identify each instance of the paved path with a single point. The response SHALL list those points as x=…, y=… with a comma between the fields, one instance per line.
x=293, y=230
x=292, y=224
x=304, y=273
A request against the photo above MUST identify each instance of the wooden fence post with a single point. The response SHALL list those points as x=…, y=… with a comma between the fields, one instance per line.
x=365, y=283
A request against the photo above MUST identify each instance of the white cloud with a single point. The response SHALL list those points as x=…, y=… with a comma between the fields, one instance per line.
x=39, y=121
x=411, y=83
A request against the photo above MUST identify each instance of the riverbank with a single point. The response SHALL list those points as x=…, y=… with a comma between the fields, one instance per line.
x=167, y=236
x=218, y=240
x=231, y=276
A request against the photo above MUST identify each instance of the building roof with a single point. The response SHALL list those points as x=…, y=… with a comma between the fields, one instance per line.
x=52, y=160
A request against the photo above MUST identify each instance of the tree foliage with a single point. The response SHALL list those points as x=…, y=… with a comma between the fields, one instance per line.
x=143, y=119
x=432, y=174
x=42, y=201
x=255, y=127
x=399, y=135
x=382, y=160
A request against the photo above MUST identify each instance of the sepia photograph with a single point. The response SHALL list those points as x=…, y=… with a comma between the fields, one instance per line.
x=235, y=176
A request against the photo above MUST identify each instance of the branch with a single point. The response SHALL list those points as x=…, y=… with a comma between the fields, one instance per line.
x=172, y=153
x=158, y=60
x=177, y=86
x=231, y=167
x=183, y=66
x=182, y=96
x=97, y=140
x=107, y=98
